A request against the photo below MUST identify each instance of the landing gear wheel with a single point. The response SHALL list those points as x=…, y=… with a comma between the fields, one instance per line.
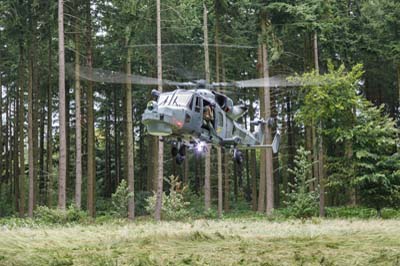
x=238, y=156
x=182, y=150
x=174, y=151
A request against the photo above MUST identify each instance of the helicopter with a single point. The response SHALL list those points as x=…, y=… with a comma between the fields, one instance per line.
x=197, y=116
x=200, y=116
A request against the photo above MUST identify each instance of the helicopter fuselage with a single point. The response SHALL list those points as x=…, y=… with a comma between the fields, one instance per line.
x=181, y=114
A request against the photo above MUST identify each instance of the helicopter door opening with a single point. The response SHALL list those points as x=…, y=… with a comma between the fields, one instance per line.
x=208, y=116
x=196, y=121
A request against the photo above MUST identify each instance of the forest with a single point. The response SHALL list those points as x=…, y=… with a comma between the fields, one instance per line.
x=75, y=82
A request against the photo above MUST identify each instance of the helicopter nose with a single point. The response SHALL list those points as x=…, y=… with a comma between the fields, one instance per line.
x=163, y=121
x=156, y=128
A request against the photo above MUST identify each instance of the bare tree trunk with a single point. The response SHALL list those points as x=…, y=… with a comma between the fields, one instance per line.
x=292, y=137
x=62, y=167
x=78, y=123
x=219, y=150
x=268, y=136
x=219, y=161
x=316, y=58
x=321, y=151
x=207, y=186
x=321, y=174
x=15, y=144
x=49, y=143
x=262, y=183
x=253, y=167
x=43, y=176
x=315, y=162
x=116, y=141
x=31, y=158
x=107, y=160
x=91, y=163
x=129, y=137
x=160, y=175
x=21, y=118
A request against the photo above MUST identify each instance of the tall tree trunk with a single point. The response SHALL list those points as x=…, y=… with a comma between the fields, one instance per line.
x=268, y=136
x=219, y=162
x=107, y=160
x=291, y=140
x=316, y=57
x=321, y=174
x=31, y=157
x=219, y=149
x=91, y=163
x=62, y=166
x=160, y=174
x=42, y=185
x=262, y=183
x=253, y=166
x=207, y=185
x=21, y=118
x=78, y=122
x=321, y=151
x=15, y=143
x=116, y=141
x=13, y=188
x=69, y=182
x=49, y=143
x=129, y=137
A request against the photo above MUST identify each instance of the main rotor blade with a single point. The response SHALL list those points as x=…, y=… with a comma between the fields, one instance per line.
x=108, y=76
x=274, y=81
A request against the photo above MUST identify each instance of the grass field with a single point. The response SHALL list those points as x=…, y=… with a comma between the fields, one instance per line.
x=202, y=242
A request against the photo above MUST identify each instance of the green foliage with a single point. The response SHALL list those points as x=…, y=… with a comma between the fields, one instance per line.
x=360, y=213
x=300, y=202
x=141, y=202
x=120, y=200
x=377, y=167
x=173, y=204
x=45, y=215
x=330, y=98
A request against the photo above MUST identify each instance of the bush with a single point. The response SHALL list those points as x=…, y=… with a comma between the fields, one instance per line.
x=141, y=202
x=360, y=212
x=45, y=215
x=300, y=202
x=174, y=206
x=350, y=212
x=120, y=199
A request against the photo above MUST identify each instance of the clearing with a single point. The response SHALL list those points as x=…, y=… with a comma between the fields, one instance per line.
x=206, y=242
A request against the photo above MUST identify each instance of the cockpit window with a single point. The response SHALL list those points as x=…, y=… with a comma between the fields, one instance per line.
x=181, y=99
x=177, y=99
x=164, y=99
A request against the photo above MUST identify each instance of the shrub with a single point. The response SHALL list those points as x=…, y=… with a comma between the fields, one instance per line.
x=350, y=212
x=45, y=215
x=174, y=206
x=300, y=202
x=119, y=200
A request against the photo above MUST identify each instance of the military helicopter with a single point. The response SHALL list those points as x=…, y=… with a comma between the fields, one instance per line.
x=197, y=116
